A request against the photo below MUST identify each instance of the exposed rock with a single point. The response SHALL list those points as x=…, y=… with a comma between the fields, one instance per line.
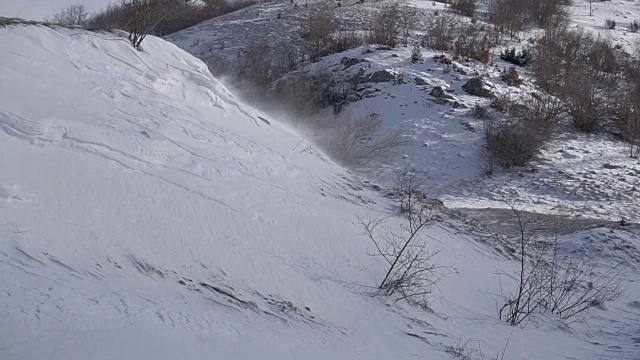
x=349, y=61
x=439, y=93
x=420, y=81
x=460, y=70
x=381, y=76
x=476, y=86
x=359, y=78
x=459, y=105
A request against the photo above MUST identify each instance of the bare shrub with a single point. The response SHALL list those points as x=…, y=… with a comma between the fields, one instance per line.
x=408, y=18
x=111, y=16
x=511, y=143
x=610, y=24
x=386, y=26
x=441, y=31
x=411, y=273
x=320, y=31
x=183, y=14
x=548, y=13
x=344, y=40
x=254, y=62
x=465, y=40
x=303, y=94
x=546, y=283
x=511, y=77
x=480, y=112
x=357, y=142
x=464, y=7
x=142, y=16
x=509, y=16
x=73, y=15
x=517, y=140
x=583, y=72
x=317, y=30
x=473, y=43
x=627, y=109
x=634, y=26
x=629, y=125
x=502, y=103
x=218, y=65
x=540, y=111
x=584, y=104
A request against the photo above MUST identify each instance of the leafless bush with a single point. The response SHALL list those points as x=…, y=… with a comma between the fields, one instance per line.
x=142, y=16
x=464, y=7
x=587, y=92
x=629, y=124
x=634, y=26
x=627, y=109
x=408, y=19
x=541, y=111
x=254, y=62
x=411, y=273
x=112, y=16
x=511, y=77
x=546, y=283
x=473, y=42
x=583, y=72
x=357, y=142
x=610, y=24
x=219, y=66
x=441, y=31
x=302, y=94
x=516, y=140
x=345, y=40
x=386, y=26
x=502, y=103
x=185, y=13
x=548, y=14
x=480, y=112
x=511, y=16
x=317, y=30
x=466, y=40
x=322, y=36
x=511, y=143
x=73, y=15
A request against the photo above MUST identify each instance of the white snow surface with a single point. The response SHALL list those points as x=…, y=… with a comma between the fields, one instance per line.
x=147, y=213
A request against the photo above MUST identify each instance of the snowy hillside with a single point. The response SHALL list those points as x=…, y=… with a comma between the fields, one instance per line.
x=147, y=213
x=578, y=175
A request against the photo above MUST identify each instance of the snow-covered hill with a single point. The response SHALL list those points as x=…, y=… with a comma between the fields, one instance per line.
x=578, y=175
x=147, y=213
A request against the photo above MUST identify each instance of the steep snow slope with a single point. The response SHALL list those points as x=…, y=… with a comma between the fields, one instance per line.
x=146, y=213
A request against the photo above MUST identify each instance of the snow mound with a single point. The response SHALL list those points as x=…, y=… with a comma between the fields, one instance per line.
x=134, y=182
